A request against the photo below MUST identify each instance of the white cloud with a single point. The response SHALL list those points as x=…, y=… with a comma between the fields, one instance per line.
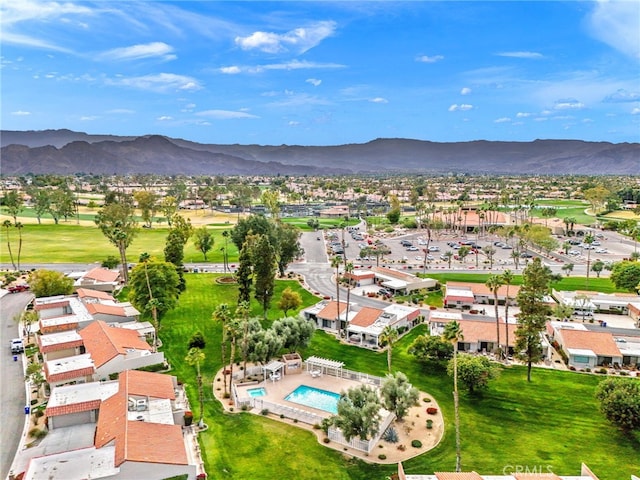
x=163, y=118
x=313, y=81
x=428, y=59
x=465, y=91
x=298, y=40
x=137, y=52
x=635, y=111
x=293, y=123
x=622, y=95
x=225, y=114
x=161, y=83
x=230, y=70
x=88, y=118
x=532, y=55
x=502, y=120
x=617, y=24
x=463, y=107
x=379, y=100
x=568, y=104
x=523, y=114
x=20, y=113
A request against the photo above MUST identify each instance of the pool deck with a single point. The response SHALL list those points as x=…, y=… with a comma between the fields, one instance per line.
x=412, y=427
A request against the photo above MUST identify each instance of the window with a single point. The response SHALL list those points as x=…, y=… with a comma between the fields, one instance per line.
x=326, y=323
x=580, y=359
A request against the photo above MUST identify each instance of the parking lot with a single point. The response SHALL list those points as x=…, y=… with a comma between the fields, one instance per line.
x=413, y=250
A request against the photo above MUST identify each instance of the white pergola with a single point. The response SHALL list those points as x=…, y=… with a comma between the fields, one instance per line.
x=324, y=364
x=274, y=368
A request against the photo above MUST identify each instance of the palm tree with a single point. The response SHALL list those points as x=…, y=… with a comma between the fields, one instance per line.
x=588, y=240
x=453, y=333
x=348, y=268
x=222, y=314
x=195, y=357
x=19, y=226
x=494, y=282
x=387, y=337
x=153, y=304
x=7, y=224
x=507, y=279
x=335, y=262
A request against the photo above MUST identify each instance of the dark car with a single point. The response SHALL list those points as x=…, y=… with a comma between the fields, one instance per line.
x=18, y=288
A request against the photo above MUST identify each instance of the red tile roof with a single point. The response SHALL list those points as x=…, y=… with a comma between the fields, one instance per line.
x=69, y=375
x=457, y=476
x=58, y=346
x=600, y=343
x=89, y=293
x=73, y=408
x=366, y=316
x=100, y=274
x=482, y=289
x=48, y=306
x=105, y=343
x=330, y=311
x=474, y=331
x=156, y=385
x=137, y=441
x=100, y=308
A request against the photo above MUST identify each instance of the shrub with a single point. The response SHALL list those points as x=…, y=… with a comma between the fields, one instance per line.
x=416, y=443
x=432, y=410
x=402, y=448
x=426, y=400
x=38, y=413
x=587, y=370
x=382, y=456
x=197, y=341
x=624, y=373
x=429, y=424
x=265, y=411
x=572, y=368
x=226, y=395
x=326, y=440
x=390, y=435
x=282, y=415
x=188, y=418
x=244, y=408
x=37, y=433
x=602, y=371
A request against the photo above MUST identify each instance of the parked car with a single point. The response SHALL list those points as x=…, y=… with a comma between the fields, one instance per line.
x=384, y=291
x=412, y=249
x=18, y=288
x=16, y=345
x=602, y=250
x=434, y=248
x=405, y=243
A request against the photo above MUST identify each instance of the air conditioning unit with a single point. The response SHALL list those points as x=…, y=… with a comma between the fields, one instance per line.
x=141, y=405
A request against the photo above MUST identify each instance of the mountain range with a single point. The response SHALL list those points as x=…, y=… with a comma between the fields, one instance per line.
x=68, y=152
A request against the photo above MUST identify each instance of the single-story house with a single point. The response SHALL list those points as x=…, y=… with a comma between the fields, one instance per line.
x=60, y=345
x=481, y=293
x=400, y=282
x=585, y=348
x=99, y=279
x=368, y=324
x=599, y=302
x=137, y=431
x=327, y=313
x=115, y=349
x=76, y=369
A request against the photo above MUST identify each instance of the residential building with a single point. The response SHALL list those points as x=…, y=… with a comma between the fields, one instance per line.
x=598, y=302
x=100, y=279
x=465, y=294
x=125, y=429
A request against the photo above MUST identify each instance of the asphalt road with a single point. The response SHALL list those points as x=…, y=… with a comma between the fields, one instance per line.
x=12, y=393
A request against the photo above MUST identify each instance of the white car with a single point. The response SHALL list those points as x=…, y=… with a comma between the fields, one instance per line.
x=602, y=250
x=434, y=248
x=574, y=252
x=430, y=257
x=412, y=249
x=421, y=242
x=419, y=258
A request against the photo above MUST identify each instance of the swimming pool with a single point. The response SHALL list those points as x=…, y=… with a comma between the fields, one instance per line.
x=257, y=392
x=315, y=398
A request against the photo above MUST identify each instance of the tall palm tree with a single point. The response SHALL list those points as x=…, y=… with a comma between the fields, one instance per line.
x=7, y=224
x=507, y=279
x=387, y=337
x=195, y=357
x=222, y=315
x=494, y=282
x=453, y=333
x=335, y=262
x=153, y=304
x=348, y=268
x=19, y=226
x=587, y=240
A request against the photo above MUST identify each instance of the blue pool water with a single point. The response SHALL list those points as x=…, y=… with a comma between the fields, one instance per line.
x=315, y=398
x=257, y=392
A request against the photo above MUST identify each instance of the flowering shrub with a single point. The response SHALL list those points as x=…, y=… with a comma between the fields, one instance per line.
x=432, y=410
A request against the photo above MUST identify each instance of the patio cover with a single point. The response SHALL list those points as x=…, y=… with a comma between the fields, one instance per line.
x=273, y=367
x=324, y=364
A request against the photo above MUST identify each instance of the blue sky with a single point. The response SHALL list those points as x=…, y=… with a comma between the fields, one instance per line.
x=324, y=73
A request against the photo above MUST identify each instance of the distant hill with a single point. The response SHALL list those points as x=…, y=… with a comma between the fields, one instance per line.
x=68, y=152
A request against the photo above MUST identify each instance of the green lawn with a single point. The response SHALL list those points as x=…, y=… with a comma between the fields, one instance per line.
x=603, y=285
x=67, y=243
x=552, y=421
x=325, y=223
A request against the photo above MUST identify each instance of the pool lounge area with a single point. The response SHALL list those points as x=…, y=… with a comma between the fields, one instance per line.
x=307, y=396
